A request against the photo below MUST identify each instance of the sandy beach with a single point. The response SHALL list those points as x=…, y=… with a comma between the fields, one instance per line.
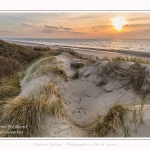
x=93, y=51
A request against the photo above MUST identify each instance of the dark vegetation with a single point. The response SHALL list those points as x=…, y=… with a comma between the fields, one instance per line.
x=13, y=59
x=41, y=48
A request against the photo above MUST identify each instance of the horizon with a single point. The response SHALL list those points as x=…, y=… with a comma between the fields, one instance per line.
x=79, y=25
x=77, y=38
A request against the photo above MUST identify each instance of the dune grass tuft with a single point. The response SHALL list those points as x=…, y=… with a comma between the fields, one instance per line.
x=110, y=122
x=135, y=60
x=41, y=63
x=89, y=61
x=120, y=59
x=41, y=49
x=52, y=52
x=52, y=89
x=35, y=65
x=44, y=66
x=29, y=112
x=136, y=76
x=9, y=87
x=46, y=69
x=58, y=71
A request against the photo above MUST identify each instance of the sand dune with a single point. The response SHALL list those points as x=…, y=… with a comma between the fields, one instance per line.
x=78, y=94
x=95, y=90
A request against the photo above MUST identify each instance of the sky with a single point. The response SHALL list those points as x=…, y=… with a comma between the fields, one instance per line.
x=136, y=25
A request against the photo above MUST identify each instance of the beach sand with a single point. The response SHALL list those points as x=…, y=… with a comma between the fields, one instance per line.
x=93, y=51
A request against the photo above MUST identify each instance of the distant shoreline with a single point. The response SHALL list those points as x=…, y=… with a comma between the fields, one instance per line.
x=91, y=51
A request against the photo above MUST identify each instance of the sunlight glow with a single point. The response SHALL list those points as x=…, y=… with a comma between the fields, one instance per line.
x=118, y=23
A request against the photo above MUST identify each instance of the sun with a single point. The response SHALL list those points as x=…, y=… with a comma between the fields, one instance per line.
x=118, y=23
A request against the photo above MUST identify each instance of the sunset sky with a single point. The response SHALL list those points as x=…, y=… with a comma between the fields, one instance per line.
x=136, y=25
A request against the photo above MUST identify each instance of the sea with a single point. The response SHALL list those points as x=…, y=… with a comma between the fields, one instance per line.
x=119, y=44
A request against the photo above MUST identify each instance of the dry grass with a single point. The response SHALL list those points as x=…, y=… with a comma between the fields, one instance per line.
x=8, y=66
x=9, y=87
x=19, y=53
x=42, y=63
x=41, y=48
x=53, y=52
x=36, y=63
x=135, y=60
x=105, y=58
x=136, y=76
x=89, y=61
x=14, y=58
x=110, y=122
x=29, y=112
x=49, y=51
x=137, y=115
x=45, y=70
x=52, y=89
x=44, y=66
x=58, y=71
x=8, y=92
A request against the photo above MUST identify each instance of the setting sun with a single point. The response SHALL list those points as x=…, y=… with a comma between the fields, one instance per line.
x=118, y=23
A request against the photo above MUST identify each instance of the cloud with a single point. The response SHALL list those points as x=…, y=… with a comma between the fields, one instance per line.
x=66, y=29
x=27, y=25
x=101, y=26
x=140, y=18
x=59, y=29
x=51, y=29
x=78, y=32
x=48, y=31
x=139, y=25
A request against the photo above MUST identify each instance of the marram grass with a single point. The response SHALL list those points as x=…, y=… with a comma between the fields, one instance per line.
x=110, y=122
x=9, y=87
x=29, y=112
x=45, y=70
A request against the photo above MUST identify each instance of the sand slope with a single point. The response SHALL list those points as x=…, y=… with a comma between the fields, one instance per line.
x=97, y=88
